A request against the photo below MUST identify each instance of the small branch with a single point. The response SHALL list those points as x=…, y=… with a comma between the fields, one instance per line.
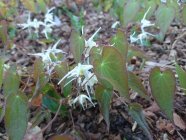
x=26, y=84
x=72, y=118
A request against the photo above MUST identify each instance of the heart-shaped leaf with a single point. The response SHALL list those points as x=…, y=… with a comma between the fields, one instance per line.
x=181, y=76
x=136, y=85
x=104, y=95
x=16, y=116
x=112, y=68
x=130, y=11
x=77, y=46
x=163, y=85
x=136, y=112
x=120, y=42
x=11, y=82
x=183, y=13
x=164, y=18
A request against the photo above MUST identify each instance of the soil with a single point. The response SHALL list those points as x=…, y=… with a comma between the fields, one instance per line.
x=89, y=124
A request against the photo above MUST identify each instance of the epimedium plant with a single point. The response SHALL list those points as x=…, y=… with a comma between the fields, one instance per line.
x=158, y=9
x=98, y=73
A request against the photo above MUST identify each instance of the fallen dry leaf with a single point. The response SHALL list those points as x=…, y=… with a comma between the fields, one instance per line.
x=153, y=108
x=33, y=133
x=62, y=137
x=179, y=122
x=163, y=125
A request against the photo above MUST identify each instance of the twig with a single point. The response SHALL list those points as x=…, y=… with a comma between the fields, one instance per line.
x=121, y=100
x=26, y=84
x=72, y=118
x=180, y=135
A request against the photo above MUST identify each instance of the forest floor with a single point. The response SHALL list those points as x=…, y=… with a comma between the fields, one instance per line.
x=89, y=124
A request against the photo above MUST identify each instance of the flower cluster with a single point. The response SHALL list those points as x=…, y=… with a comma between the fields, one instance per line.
x=89, y=44
x=81, y=99
x=83, y=74
x=143, y=35
x=49, y=22
x=45, y=55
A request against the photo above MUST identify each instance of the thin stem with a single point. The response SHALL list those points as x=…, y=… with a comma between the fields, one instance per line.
x=50, y=123
x=26, y=84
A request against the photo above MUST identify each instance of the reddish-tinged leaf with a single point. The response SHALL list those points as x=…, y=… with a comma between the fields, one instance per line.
x=120, y=42
x=77, y=46
x=16, y=116
x=136, y=85
x=104, y=95
x=131, y=9
x=164, y=18
x=163, y=85
x=136, y=112
x=11, y=82
x=112, y=68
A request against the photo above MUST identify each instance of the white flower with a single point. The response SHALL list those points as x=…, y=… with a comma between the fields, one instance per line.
x=144, y=22
x=89, y=81
x=143, y=35
x=140, y=37
x=27, y=24
x=77, y=73
x=56, y=21
x=82, y=99
x=45, y=56
x=49, y=16
x=31, y=24
x=115, y=24
x=47, y=29
x=90, y=43
x=132, y=38
x=53, y=50
x=163, y=1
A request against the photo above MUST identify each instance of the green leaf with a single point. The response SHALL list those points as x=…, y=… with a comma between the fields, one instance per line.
x=112, y=68
x=107, y=5
x=39, y=74
x=136, y=112
x=120, y=42
x=3, y=32
x=104, y=95
x=51, y=99
x=182, y=77
x=183, y=13
x=29, y=4
x=42, y=5
x=163, y=85
x=136, y=85
x=1, y=71
x=11, y=82
x=16, y=116
x=131, y=9
x=164, y=18
x=134, y=51
x=77, y=45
